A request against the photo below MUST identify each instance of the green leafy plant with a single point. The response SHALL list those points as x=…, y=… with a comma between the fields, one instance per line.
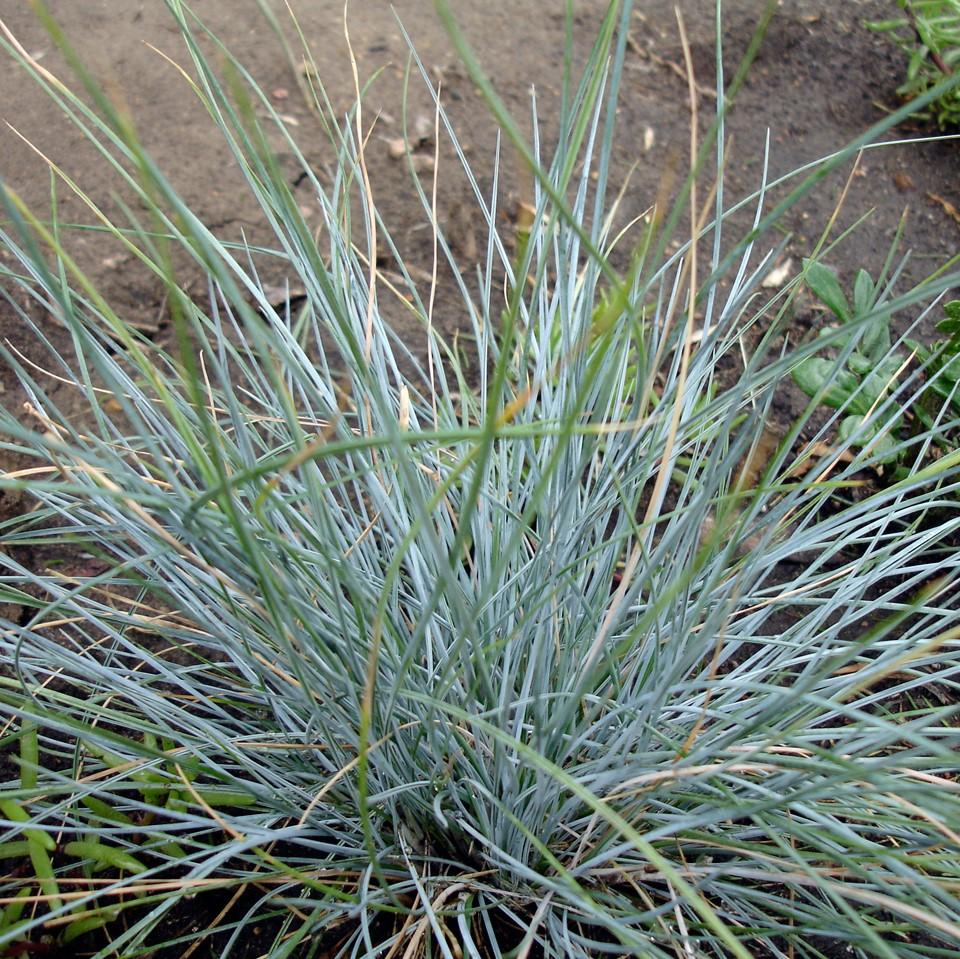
x=403, y=662
x=863, y=373
x=39, y=846
x=859, y=373
x=942, y=365
x=929, y=33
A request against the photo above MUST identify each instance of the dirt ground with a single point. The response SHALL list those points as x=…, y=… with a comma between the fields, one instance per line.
x=820, y=80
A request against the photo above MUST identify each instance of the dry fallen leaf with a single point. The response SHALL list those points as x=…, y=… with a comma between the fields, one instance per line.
x=778, y=275
x=903, y=181
x=818, y=451
x=282, y=293
x=948, y=207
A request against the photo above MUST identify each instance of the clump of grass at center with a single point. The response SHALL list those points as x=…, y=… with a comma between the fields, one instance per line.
x=416, y=664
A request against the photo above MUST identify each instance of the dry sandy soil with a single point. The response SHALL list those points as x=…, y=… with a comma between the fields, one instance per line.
x=820, y=80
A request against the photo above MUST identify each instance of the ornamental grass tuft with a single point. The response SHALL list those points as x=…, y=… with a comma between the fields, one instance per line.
x=559, y=655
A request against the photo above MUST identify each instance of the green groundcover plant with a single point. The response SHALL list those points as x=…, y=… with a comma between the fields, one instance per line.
x=942, y=360
x=385, y=660
x=871, y=369
x=929, y=33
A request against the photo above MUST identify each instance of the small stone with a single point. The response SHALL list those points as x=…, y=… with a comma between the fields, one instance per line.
x=422, y=129
x=397, y=148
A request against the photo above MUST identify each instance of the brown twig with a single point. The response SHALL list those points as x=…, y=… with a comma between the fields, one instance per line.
x=671, y=65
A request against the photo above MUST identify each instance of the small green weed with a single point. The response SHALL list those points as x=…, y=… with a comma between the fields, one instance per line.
x=942, y=364
x=861, y=376
x=858, y=371
x=88, y=854
x=929, y=33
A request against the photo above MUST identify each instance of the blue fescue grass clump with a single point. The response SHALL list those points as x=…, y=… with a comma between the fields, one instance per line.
x=402, y=662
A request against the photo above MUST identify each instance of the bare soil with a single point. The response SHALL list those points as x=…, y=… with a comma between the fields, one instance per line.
x=820, y=80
